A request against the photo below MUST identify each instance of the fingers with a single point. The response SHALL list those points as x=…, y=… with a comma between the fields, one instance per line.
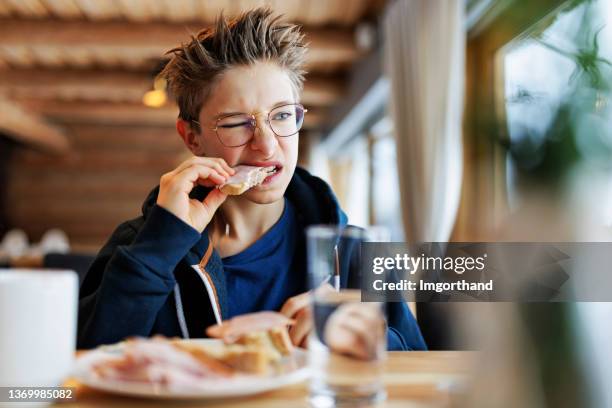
x=356, y=330
x=298, y=308
x=366, y=311
x=175, y=186
x=213, y=200
x=217, y=163
x=183, y=182
x=197, y=173
x=344, y=341
x=362, y=336
x=298, y=333
x=295, y=304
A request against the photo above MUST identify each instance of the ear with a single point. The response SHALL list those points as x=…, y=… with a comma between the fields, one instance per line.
x=191, y=137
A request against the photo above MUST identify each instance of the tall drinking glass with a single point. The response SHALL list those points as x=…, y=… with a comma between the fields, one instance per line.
x=347, y=348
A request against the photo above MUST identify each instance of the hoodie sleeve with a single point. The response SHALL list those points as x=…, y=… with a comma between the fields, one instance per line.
x=403, y=332
x=131, y=278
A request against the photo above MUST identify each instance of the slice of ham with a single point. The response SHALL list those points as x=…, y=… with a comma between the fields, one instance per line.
x=246, y=177
x=157, y=361
x=233, y=329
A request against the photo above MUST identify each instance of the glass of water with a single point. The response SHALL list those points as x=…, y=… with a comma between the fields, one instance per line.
x=347, y=348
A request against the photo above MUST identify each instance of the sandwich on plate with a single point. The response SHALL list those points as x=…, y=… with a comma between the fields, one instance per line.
x=255, y=344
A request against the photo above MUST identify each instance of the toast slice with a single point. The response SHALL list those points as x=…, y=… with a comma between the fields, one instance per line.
x=264, y=330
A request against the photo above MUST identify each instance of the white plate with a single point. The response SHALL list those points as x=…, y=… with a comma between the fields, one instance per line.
x=294, y=369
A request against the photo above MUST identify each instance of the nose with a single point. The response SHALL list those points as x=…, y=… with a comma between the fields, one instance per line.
x=264, y=139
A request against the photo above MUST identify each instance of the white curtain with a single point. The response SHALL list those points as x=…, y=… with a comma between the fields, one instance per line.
x=424, y=59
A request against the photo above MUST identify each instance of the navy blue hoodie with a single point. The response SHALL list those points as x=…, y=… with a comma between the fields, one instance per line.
x=158, y=275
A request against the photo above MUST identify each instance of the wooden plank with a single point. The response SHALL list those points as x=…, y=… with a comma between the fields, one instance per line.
x=124, y=86
x=61, y=83
x=78, y=210
x=149, y=138
x=23, y=190
x=99, y=10
x=328, y=12
x=126, y=113
x=48, y=57
x=41, y=174
x=28, y=8
x=150, y=40
x=63, y=8
x=5, y=9
x=105, y=159
x=179, y=10
x=17, y=56
x=103, y=112
x=136, y=10
x=29, y=128
x=349, y=13
x=84, y=205
x=322, y=91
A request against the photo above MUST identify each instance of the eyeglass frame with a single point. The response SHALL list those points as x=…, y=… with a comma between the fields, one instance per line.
x=253, y=123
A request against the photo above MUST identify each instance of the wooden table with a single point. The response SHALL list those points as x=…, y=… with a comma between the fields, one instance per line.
x=412, y=379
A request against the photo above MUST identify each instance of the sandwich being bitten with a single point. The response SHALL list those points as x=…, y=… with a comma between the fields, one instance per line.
x=246, y=177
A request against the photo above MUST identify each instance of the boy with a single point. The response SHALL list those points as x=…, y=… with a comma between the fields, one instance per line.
x=196, y=256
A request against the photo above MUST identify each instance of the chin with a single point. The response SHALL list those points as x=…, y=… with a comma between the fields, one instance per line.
x=264, y=197
x=270, y=193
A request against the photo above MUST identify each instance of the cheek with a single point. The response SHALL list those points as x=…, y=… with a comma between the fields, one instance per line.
x=212, y=148
x=230, y=155
x=289, y=147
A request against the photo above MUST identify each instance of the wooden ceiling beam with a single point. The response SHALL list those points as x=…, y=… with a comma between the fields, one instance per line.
x=30, y=129
x=85, y=42
x=124, y=86
x=102, y=112
x=123, y=113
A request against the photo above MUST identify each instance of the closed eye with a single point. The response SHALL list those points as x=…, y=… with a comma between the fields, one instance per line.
x=234, y=125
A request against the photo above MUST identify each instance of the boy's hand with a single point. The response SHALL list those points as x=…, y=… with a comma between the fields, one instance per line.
x=356, y=330
x=175, y=186
x=298, y=308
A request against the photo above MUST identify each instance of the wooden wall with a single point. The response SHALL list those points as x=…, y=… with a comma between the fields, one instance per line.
x=87, y=192
x=72, y=77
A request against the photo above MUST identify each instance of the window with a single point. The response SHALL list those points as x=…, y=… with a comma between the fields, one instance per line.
x=556, y=88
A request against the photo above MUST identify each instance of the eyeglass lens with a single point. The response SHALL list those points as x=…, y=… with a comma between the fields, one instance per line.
x=236, y=130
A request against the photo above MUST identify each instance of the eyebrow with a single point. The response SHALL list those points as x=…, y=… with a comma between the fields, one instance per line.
x=276, y=105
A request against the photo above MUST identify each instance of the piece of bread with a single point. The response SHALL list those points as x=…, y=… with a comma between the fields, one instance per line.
x=281, y=340
x=265, y=330
x=246, y=359
x=230, y=358
x=205, y=357
x=246, y=177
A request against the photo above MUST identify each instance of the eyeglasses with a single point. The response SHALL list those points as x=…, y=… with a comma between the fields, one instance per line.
x=236, y=130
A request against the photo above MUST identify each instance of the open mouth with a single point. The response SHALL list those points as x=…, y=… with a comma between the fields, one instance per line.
x=272, y=172
x=273, y=169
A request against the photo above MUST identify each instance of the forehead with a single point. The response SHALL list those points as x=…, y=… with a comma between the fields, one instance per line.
x=249, y=88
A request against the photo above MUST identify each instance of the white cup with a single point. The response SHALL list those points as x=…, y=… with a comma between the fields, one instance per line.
x=38, y=311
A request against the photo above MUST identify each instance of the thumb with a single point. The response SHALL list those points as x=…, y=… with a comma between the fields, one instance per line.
x=213, y=200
